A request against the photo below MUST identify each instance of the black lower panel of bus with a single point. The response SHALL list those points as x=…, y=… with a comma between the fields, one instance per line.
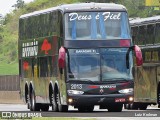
x=99, y=99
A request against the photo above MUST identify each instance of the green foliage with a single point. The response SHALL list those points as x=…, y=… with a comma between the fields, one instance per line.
x=19, y=4
x=8, y=69
x=9, y=31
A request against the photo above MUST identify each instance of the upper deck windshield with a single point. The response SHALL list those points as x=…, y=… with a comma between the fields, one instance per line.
x=104, y=64
x=96, y=26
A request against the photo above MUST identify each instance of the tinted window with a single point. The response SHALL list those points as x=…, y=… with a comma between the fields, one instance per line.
x=84, y=64
x=135, y=34
x=96, y=26
x=141, y=35
x=113, y=63
x=157, y=38
x=46, y=24
x=150, y=34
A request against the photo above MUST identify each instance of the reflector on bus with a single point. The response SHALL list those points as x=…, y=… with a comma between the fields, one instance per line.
x=124, y=43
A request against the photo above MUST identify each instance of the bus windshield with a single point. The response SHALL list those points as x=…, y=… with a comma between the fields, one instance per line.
x=96, y=26
x=113, y=64
x=103, y=64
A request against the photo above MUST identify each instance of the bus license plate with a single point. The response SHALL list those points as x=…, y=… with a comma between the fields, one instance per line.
x=120, y=100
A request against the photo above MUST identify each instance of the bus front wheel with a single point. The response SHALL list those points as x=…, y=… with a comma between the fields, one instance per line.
x=133, y=106
x=143, y=106
x=115, y=107
x=86, y=108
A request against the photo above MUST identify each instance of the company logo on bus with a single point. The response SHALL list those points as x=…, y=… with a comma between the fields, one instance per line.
x=101, y=91
x=85, y=51
x=111, y=87
x=46, y=46
x=30, y=49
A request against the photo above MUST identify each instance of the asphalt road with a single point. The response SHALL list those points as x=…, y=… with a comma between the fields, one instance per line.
x=97, y=113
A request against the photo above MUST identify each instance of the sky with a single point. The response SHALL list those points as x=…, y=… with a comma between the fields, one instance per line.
x=6, y=5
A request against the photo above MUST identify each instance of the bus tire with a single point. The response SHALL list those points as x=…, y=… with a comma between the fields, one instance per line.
x=143, y=106
x=61, y=108
x=86, y=108
x=28, y=102
x=126, y=106
x=133, y=106
x=44, y=107
x=54, y=103
x=90, y=108
x=34, y=105
x=115, y=107
x=81, y=109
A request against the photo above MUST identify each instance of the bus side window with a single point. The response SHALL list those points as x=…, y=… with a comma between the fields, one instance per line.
x=20, y=67
x=150, y=34
x=54, y=65
x=43, y=67
x=135, y=34
x=157, y=35
x=142, y=35
x=50, y=67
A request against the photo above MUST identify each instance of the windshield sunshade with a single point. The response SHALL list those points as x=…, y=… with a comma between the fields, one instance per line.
x=96, y=26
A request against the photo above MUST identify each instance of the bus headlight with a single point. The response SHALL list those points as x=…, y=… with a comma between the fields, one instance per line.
x=131, y=99
x=75, y=92
x=128, y=90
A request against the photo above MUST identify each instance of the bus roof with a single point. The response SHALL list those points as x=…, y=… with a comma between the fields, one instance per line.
x=140, y=21
x=79, y=7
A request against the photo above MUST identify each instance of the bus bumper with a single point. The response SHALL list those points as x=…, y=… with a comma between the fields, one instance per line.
x=100, y=99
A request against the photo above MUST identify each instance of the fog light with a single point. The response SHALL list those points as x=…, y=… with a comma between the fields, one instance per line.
x=130, y=98
x=70, y=100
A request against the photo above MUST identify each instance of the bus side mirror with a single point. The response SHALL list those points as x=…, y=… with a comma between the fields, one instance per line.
x=61, y=59
x=138, y=54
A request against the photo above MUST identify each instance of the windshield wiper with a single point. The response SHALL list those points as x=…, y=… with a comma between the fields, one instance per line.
x=82, y=80
x=116, y=80
x=87, y=80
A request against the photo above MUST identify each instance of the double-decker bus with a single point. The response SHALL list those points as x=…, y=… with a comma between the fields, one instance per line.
x=77, y=54
x=145, y=32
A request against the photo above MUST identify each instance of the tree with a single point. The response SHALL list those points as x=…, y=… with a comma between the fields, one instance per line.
x=19, y=4
x=1, y=19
